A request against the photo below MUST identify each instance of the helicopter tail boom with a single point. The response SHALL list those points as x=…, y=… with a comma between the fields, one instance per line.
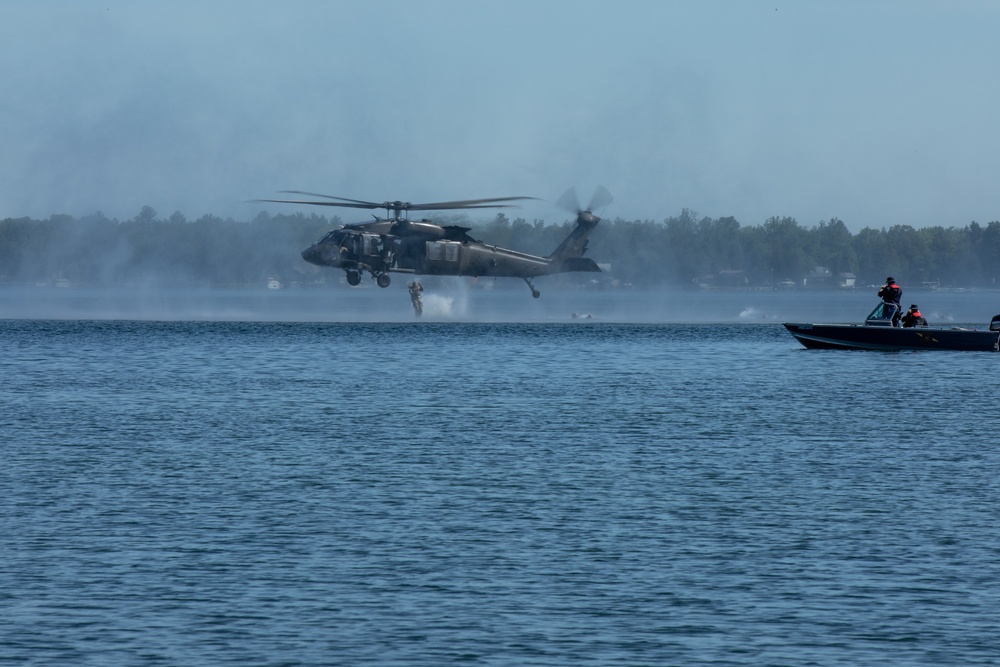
x=575, y=245
x=579, y=264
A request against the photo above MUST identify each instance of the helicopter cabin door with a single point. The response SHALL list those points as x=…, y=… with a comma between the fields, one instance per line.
x=444, y=256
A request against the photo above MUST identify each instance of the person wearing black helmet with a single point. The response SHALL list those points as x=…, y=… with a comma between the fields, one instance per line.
x=891, y=293
x=913, y=318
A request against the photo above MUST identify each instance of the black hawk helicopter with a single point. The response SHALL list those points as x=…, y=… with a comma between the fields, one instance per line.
x=396, y=244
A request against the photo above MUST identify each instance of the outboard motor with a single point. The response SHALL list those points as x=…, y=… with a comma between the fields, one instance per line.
x=995, y=323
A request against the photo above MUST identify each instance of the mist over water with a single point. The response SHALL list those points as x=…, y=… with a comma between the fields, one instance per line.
x=453, y=300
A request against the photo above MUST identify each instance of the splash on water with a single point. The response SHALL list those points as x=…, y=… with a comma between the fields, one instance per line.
x=751, y=313
x=438, y=305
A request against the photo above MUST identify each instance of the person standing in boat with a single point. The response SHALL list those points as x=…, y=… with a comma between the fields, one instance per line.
x=913, y=318
x=891, y=293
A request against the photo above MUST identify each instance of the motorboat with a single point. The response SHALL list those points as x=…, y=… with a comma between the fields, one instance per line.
x=879, y=332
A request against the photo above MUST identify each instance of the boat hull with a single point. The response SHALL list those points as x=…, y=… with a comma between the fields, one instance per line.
x=862, y=337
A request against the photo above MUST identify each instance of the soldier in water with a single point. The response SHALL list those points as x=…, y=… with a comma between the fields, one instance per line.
x=415, y=290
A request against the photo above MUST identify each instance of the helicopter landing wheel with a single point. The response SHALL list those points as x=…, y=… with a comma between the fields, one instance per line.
x=382, y=280
x=353, y=278
x=535, y=293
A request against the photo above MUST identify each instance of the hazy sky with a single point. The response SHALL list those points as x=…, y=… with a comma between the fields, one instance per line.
x=876, y=112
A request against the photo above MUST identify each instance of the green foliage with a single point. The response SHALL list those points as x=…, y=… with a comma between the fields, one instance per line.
x=148, y=250
x=677, y=251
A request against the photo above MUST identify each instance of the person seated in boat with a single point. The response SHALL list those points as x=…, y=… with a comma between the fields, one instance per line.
x=913, y=318
x=891, y=293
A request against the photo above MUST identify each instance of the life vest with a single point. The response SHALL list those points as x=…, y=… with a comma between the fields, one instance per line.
x=891, y=293
x=913, y=318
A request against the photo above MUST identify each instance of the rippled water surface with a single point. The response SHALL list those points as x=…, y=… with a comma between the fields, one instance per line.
x=495, y=493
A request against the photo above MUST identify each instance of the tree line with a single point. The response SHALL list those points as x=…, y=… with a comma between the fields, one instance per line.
x=679, y=251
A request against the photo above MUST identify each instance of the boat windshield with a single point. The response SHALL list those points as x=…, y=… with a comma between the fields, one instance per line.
x=882, y=314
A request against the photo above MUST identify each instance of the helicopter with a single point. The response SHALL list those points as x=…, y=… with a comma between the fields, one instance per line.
x=397, y=244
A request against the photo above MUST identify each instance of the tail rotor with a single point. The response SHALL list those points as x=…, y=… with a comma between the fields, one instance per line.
x=599, y=200
x=569, y=255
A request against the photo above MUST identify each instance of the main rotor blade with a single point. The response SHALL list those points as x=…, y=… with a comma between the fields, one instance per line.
x=318, y=203
x=353, y=201
x=468, y=203
x=396, y=206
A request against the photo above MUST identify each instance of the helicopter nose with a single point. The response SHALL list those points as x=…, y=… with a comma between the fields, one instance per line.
x=313, y=255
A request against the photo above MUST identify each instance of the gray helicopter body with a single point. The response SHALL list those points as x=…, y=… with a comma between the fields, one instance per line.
x=421, y=247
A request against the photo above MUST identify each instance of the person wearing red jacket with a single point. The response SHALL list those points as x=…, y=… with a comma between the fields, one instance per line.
x=913, y=318
x=891, y=293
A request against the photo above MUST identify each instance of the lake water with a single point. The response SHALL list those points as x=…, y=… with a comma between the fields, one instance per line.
x=454, y=300
x=316, y=478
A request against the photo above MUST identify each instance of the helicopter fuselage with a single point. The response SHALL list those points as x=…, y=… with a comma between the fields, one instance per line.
x=424, y=248
x=398, y=244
